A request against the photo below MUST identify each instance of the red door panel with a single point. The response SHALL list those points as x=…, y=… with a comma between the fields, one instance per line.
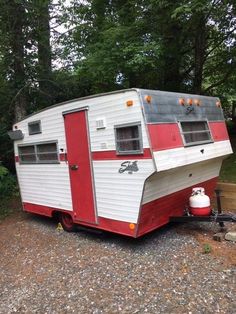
x=78, y=156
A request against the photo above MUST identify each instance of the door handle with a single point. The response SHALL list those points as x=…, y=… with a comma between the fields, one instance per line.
x=74, y=167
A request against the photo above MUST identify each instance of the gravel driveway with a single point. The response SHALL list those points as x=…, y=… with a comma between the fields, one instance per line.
x=44, y=270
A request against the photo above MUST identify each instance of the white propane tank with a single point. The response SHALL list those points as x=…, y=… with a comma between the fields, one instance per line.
x=199, y=202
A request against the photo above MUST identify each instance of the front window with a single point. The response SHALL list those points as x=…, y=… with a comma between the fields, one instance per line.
x=195, y=132
x=41, y=153
x=128, y=139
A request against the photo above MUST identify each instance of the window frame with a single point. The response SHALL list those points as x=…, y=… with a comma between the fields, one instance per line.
x=210, y=140
x=140, y=139
x=34, y=122
x=37, y=161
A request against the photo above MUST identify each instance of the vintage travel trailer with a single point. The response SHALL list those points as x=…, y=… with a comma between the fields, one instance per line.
x=124, y=161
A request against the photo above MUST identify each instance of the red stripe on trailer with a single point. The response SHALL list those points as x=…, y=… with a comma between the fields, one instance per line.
x=219, y=131
x=164, y=136
x=156, y=213
x=38, y=209
x=62, y=157
x=111, y=155
x=16, y=158
x=106, y=224
x=121, y=227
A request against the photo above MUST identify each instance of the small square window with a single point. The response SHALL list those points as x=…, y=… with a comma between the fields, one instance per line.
x=34, y=127
x=128, y=139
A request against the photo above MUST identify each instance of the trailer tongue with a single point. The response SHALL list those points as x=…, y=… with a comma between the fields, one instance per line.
x=213, y=216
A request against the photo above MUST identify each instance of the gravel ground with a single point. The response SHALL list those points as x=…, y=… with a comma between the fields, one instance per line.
x=44, y=270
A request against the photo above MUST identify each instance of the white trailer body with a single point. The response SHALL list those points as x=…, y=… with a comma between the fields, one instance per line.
x=123, y=161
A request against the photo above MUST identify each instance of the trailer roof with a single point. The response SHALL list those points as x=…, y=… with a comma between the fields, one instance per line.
x=142, y=91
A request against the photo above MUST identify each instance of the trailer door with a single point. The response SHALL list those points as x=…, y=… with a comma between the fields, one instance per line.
x=80, y=166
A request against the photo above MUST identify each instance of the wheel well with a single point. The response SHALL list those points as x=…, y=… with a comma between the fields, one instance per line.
x=55, y=215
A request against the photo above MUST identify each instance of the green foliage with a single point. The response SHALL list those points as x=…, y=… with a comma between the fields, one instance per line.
x=169, y=45
x=184, y=45
x=207, y=248
x=231, y=128
x=7, y=183
x=228, y=170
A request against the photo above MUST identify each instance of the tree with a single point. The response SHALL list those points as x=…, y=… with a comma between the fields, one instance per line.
x=12, y=34
x=42, y=31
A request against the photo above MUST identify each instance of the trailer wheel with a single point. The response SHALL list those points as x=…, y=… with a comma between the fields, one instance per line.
x=67, y=222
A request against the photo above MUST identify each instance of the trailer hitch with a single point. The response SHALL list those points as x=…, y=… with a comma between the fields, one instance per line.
x=220, y=218
x=216, y=216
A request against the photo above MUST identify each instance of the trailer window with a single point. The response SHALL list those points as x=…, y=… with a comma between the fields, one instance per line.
x=34, y=127
x=27, y=154
x=195, y=132
x=47, y=152
x=128, y=139
x=38, y=153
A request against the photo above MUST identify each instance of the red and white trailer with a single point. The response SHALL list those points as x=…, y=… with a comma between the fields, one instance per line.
x=124, y=161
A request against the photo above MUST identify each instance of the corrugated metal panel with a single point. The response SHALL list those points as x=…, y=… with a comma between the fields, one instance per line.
x=47, y=185
x=167, y=182
x=177, y=157
x=119, y=194
x=165, y=107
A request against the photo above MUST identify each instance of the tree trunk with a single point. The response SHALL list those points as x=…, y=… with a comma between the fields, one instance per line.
x=44, y=52
x=234, y=112
x=17, y=40
x=170, y=74
x=199, y=55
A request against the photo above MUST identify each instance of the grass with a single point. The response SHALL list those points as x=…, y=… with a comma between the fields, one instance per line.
x=228, y=170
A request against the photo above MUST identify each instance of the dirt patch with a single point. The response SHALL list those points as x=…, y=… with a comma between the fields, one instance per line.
x=204, y=232
x=9, y=206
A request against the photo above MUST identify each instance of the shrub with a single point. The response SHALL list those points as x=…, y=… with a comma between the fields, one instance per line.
x=207, y=248
x=231, y=127
x=7, y=183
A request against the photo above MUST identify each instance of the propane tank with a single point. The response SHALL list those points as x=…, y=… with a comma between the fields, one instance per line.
x=199, y=202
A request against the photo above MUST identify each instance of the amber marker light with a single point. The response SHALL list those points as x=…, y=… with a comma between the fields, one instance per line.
x=190, y=101
x=148, y=98
x=197, y=102
x=181, y=101
x=218, y=104
x=132, y=226
x=129, y=103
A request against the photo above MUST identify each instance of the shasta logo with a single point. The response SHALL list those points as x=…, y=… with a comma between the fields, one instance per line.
x=129, y=166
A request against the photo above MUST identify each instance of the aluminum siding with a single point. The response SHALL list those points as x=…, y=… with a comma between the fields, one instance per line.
x=178, y=157
x=164, y=183
x=49, y=185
